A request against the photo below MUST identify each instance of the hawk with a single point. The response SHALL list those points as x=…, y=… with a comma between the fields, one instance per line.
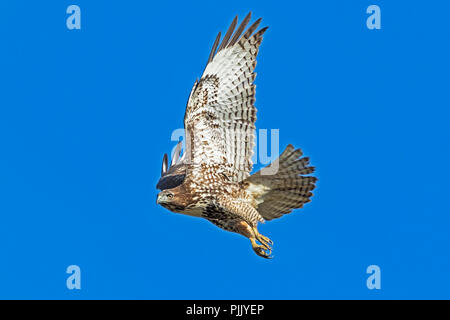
x=212, y=178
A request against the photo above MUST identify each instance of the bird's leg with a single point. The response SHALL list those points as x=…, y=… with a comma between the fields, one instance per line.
x=264, y=249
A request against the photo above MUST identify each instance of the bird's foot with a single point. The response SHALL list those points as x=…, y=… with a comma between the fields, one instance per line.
x=264, y=249
x=266, y=242
x=261, y=250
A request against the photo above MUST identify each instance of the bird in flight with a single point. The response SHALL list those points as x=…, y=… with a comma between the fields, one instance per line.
x=211, y=179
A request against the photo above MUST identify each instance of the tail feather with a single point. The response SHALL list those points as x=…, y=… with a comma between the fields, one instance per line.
x=287, y=189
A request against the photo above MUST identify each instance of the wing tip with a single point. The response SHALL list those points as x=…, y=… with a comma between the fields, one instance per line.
x=165, y=163
x=237, y=35
x=214, y=47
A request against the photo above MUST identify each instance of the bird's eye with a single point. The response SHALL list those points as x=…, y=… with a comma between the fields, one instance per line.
x=170, y=196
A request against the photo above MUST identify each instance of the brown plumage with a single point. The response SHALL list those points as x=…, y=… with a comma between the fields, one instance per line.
x=212, y=179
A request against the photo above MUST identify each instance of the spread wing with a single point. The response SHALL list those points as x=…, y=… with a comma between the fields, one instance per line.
x=220, y=114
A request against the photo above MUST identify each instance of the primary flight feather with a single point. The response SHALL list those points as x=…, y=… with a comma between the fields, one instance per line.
x=212, y=178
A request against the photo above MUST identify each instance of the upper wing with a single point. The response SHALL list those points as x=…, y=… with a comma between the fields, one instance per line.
x=220, y=114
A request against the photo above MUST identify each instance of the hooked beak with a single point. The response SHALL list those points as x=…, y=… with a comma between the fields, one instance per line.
x=161, y=198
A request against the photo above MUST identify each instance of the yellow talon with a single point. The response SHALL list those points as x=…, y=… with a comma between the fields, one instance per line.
x=261, y=250
x=264, y=249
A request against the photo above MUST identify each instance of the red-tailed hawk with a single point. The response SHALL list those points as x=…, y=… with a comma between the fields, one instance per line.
x=212, y=179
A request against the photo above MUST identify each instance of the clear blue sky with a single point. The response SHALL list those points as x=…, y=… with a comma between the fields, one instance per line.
x=86, y=115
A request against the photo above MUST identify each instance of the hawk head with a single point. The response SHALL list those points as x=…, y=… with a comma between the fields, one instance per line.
x=172, y=200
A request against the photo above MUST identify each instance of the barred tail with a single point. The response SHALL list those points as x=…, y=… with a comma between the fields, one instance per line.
x=286, y=189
